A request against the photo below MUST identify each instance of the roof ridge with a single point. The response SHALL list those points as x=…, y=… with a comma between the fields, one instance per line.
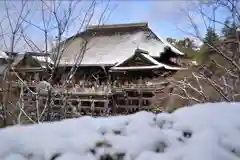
x=122, y=25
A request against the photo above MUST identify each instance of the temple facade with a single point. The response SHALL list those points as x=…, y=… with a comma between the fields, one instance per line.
x=105, y=70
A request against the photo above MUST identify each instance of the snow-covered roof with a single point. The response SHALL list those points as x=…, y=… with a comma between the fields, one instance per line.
x=43, y=59
x=188, y=133
x=112, y=49
x=118, y=26
x=147, y=67
x=3, y=55
x=151, y=59
x=161, y=65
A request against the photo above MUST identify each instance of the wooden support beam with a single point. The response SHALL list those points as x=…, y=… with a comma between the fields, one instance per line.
x=140, y=99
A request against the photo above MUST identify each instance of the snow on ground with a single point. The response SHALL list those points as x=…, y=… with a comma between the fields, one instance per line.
x=202, y=132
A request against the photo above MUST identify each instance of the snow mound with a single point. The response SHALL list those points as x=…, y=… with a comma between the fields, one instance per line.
x=202, y=132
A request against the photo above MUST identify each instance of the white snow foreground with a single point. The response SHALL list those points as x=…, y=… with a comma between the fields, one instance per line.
x=202, y=132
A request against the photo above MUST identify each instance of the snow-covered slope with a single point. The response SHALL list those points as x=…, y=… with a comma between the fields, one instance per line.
x=202, y=132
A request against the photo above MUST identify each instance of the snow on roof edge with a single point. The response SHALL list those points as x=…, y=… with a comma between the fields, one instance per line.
x=43, y=59
x=162, y=64
x=148, y=67
x=150, y=59
x=72, y=64
x=136, y=67
x=174, y=49
x=3, y=55
x=157, y=65
x=110, y=26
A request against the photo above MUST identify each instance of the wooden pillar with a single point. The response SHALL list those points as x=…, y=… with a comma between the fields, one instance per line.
x=92, y=105
x=79, y=107
x=106, y=105
x=140, y=99
x=114, y=104
x=126, y=98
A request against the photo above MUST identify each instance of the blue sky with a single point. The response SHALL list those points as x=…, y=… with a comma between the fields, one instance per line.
x=145, y=11
x=167, y=18
x=164, y=17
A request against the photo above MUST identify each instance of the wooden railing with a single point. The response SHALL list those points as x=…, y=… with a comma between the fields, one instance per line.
x=97, y=89
x=19, y=83
x=142, y=86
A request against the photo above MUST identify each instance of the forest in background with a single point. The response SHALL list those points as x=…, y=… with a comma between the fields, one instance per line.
x=216, y=75
x=203, y=52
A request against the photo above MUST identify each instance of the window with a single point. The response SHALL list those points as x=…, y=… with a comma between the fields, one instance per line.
x=145, y=102
x=99, y=104
x=147, y=94
x=133, y=102
x=75, y=103
x=133, y=94
x=121, y=102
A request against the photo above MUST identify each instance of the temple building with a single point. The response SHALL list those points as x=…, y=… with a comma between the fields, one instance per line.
x=127, y=64
x=104, y=70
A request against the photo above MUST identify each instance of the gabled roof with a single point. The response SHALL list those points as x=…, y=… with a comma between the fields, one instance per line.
x=111, y=44
x=155, y=63
x=21, y=57
x=138, y=52
x=41, y=58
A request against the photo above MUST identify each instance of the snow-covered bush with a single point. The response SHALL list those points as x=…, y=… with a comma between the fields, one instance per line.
x=202, y=132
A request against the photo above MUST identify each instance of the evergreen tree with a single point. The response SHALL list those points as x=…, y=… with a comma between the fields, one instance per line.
x=211, y=37
x=187, y=46
x=226, y=29
x=186, y=43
